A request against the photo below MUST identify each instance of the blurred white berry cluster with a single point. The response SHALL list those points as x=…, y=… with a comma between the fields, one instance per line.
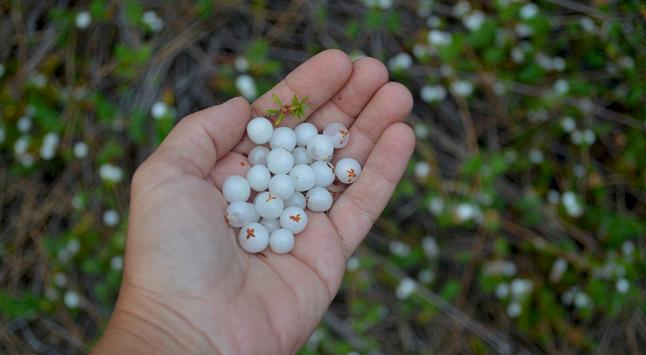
x=293, y=173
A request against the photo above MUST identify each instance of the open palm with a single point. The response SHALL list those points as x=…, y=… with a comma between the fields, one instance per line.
x=188, y=286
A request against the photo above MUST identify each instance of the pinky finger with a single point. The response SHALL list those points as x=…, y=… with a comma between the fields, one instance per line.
x=358, y=207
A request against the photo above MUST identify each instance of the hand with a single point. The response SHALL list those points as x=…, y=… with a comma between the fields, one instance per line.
x=187, y=286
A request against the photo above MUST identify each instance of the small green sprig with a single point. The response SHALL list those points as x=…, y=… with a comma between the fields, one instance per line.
x=295, y=109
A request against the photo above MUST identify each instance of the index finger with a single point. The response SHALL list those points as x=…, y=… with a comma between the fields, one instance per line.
x=318, y=79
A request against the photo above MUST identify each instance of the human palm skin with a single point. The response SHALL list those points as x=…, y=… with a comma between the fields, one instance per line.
x=188, y=287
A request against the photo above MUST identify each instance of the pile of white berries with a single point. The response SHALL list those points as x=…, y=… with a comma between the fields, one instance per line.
x=292, y=174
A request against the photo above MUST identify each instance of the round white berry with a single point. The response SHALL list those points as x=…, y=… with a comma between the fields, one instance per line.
x=282, y=186
x=280, y=161
x=304, y=133
x=260, y=130
x=269, y=205
x=347, y=170
x=303, y=177
x=338, y=133
x=324, y=172
x=297, y=200
x=258, y=155
x=320, y=147
x=258, y=177
x=236, y=188
x=253, y=238
x=283, y=137
x=294, y=219
x=301, y=156
x=270, y=224
x=281, y=241
x=255, y=217
x=240, y=213
x=319, y=199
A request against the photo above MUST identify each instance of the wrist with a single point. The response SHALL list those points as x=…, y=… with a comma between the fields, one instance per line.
x=144, y=324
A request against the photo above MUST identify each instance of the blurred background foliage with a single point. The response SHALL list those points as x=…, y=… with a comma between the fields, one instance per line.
x=518, y=228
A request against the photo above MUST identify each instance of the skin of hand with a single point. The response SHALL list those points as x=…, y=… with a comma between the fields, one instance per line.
x=187, y=285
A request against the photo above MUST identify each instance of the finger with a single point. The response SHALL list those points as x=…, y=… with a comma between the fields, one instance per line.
x=368, y=75
x=356, y=209
x=318, y=79
x=392, y=103
x=197, y=141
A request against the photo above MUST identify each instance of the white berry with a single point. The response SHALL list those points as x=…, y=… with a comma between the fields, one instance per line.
x=281, y=241
x=283, y=137
x=319, y=199
x=324, y=172
x=258, y=177
x=297, y=200
x=294, y=219
x=240, y=213
x=347, y=170
x=236, y=188
x=282, y=186
x=280, y=161
x=269, y=205
x=270, y=224
x=338, y=133
x=301, y=156
x=260, y=130
x=304, y=133
x=258, y=155
x=303, y=177
x=255, y=217
x=253, y=238
x=320, y=147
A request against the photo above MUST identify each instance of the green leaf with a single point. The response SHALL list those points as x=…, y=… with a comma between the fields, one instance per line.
x=98, y=9
x=18, y=307
x=393, y=21
x=484, y=36
x=374, y=19
x=530, y=208
x=450, y=290
x=257, y=50
x=137, y=127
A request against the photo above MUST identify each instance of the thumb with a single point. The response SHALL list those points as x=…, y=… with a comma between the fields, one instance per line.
x=201, y=138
